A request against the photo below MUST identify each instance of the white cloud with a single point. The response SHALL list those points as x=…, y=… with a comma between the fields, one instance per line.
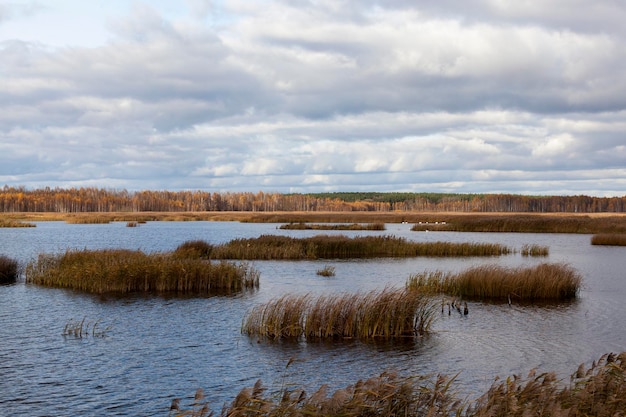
x=247, y=95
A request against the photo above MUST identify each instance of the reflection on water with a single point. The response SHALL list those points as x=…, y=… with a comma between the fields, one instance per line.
x=161, y=347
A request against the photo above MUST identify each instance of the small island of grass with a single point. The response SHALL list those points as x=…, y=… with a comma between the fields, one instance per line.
x=541, y=282
x=271, y=247
x=127, y=271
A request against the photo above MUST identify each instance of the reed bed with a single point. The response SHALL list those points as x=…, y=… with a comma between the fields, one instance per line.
x=88, y=220
x=386, y=314
x=9, y=270
x=609, y=239
x=352, y=226
x=535, y=250
x=126, y=271
x=194, y=249
x=535, y=223
x=599, y=390
x=15, y=223
x=541, y=282
x=271, y=247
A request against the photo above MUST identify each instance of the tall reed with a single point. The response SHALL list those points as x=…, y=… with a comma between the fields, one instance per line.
x=598, y=391
x=541, y=282
x=339, y=246
x=15, y=223
x=88, y=219
x=124, y=271
x=535, y=250
x=352, y=226
x=609, y=239
x=385, y=314
x=9, y=270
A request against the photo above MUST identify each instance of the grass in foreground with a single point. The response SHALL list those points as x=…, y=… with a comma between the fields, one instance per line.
x=385, y=314
x=352, y=226
x=599, y=391
x=9, y=270
x=609, y=239
x=269, y=247
x=126, y=271
x=542, y=282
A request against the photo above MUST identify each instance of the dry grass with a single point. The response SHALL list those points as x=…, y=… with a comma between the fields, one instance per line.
x=352, y=226
x=541, y=282
x=535, y=250
x=609, y=239
x=15, y=223
x=88, y=219
x=268, y=247
x=327, y=271
x=9, y=270
x=377, y=314
x=194, y=249
x=599, y=391
x=458, y=221
x=125, y=271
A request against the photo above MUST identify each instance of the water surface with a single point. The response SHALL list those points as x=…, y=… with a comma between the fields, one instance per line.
x=160, y=348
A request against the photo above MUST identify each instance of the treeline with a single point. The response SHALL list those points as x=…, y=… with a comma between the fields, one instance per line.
x=77, y=200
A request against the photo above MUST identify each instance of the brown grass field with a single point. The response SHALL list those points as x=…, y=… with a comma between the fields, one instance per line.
x=454, y=221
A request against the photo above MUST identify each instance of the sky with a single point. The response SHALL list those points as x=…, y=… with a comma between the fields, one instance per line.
x=451, y=96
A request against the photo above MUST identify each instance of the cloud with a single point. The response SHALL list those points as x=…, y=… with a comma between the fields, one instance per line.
x=309, y=96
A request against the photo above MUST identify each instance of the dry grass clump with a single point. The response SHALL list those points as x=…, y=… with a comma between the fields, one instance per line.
x=15, y=223
x=599, y=391
x=333, y=247
x=86, y=219
x=352, y=226
x=9, y=270
x=125, y=271
x=385, y=314
x=541, y=282
x=194, y=249
x=327, y=271
x=535, y=250
x=609, y=239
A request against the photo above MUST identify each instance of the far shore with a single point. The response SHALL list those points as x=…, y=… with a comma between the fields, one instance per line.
x=582, y=223
x=284, y=216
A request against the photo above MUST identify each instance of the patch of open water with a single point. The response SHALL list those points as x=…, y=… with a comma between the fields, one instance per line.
x=161, y=348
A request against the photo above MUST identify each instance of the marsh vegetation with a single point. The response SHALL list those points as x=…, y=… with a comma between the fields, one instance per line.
x=4, y=222
x=9, y=270
x=352, y=226
x=598, y=390
x=271, y=247
x=492, y=282
x=84, y=328
x=127, y=271
x=389, y=313
x=609, y=239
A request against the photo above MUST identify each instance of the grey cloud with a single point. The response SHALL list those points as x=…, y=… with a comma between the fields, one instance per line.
x=296, y=96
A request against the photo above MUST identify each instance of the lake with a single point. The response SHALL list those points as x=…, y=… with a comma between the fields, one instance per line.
x=160, y=348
